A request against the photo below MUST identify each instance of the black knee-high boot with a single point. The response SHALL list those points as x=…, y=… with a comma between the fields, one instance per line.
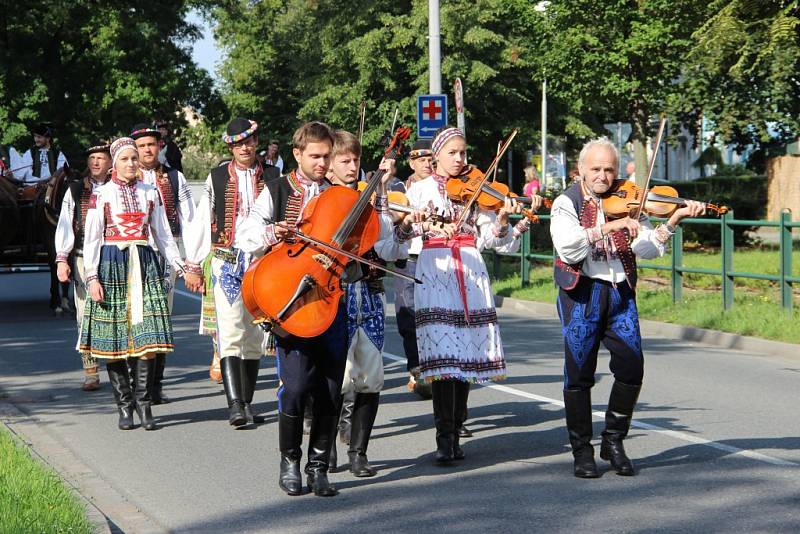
x=444, y=397
x=618, y=422
x=232, y=382
x=157, y=394
x=249, y=378
x=460, y=410
x=290, y=440
x=365, y=409
x=323, y=432
x=145, y=373
x=578, y=408
x=120, y=382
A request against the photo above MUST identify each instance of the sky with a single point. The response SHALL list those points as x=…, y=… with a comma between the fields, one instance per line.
x=205, y=52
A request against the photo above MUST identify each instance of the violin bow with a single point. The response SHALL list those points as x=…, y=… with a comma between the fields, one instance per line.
x=494, y=175
x=362, y=113
x=503, y=147
x=651, y=166
x=350, y=255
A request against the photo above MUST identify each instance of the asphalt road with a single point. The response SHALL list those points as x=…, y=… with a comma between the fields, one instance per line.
x=716, y=442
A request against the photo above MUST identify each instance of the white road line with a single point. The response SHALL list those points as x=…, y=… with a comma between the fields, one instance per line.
x=600, y=415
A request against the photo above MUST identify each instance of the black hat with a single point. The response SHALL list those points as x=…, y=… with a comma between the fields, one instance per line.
x=43, y=129
x=144, y=130
x=99, y=146
x=239, y=129
x=421, y=149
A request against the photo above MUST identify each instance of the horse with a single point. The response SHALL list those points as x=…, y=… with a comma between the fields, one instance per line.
x=28, y=219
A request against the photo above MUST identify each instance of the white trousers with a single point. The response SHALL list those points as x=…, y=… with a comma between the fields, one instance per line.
x=236, y=333
x=79, y=298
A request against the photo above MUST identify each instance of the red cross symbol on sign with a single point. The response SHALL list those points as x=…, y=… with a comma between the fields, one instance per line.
x=431, y=111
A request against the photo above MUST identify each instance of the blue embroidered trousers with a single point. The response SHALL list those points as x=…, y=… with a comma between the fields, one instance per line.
x=593, y=312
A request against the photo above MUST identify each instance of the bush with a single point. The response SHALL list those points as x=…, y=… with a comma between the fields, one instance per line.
x=738, y=189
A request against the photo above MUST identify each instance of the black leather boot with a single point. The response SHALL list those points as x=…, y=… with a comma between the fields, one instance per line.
x=578, y=408
x=365, y=409
x=157, y=394
x=232, y=382
x=618, y=422
x=323, y=432
x=290, y=439
x=249, y=378
x=120, y=382
x=444, y=396
x=145, y=374
x=460, y=408
x=346, y=418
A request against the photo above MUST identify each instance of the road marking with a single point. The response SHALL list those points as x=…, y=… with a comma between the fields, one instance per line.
x=601, y=415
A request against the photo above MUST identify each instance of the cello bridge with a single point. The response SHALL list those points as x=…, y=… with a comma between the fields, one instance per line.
x=324, y=260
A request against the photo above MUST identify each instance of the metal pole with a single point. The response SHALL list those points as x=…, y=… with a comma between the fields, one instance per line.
x=434, y=49
x=544, y=132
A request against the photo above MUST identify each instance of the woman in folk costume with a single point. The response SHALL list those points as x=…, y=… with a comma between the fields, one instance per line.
x=457, y=333
x=127, y=316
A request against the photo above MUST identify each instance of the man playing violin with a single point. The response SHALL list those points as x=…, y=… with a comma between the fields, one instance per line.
x=306, y=366
x=596, y=274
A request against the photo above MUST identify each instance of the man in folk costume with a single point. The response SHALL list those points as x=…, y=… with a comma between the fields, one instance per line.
x=42, y=160
x=420, y=161
x=596, y=274
x=127, y=315
x=306, y=366
x=176, y=198
x=69, y=240
x=230, y=192
x=169, y=154
x=365, y=300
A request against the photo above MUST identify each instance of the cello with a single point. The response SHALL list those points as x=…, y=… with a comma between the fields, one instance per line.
x=296, y=287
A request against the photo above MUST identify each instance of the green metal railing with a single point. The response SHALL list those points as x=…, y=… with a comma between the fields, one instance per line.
x=726, y=272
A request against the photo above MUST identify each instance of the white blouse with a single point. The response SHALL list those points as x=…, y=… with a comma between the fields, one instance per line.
x=65, y=234
x=122, y=212
x=183, y=197
x=489, y=234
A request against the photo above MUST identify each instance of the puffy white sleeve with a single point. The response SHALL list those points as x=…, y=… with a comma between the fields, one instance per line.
x=93, y=229
x=197, y=234
x=257, y=233
x=162, y=234
x=569, y=238
x=389, y=247
x=65, y=237
x=647, y=244
x=490, y=235
x=185, y=205
x=25, y=167
x=61, y=161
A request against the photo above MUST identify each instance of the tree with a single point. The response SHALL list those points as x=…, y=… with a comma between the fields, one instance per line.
x=93, y=69
x=617, y=62
x=742, y=72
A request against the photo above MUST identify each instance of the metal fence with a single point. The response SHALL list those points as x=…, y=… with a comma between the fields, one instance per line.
x=726, y=272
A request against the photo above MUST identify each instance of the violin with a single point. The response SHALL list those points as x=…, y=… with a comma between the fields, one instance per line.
x=397, y=200
x=296, y=287
x=625, y=199
x=492, y=196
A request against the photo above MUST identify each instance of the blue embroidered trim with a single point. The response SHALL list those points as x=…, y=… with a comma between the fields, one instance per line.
x=624, y=320
x=231, y=276
x=371, y=318
x=580, y=333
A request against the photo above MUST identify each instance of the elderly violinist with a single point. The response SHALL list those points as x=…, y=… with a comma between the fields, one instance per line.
x=596, y=274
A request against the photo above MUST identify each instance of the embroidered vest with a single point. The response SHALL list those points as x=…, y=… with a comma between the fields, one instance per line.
x=287, y=198
x=52, y=160
x=226, y=199
x=567, y=275
x=81, y=192
x=167, y=185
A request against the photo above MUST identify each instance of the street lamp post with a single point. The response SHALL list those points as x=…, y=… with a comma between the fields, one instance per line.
x=434, y=49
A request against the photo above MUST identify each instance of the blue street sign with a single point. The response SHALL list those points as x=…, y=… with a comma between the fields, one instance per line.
x=431, y=114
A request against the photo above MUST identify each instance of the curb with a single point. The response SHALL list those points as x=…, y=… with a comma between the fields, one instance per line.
x=106, y=508
x=756, y=346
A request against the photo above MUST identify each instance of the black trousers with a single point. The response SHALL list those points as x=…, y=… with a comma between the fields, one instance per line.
x=313, y=366
x=593, y=312
x=406, y=324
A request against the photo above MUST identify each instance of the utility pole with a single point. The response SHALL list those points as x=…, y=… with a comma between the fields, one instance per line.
x=434, y=49
x=544, y=132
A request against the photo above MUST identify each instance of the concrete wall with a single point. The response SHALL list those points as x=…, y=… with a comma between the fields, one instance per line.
x=783, y=186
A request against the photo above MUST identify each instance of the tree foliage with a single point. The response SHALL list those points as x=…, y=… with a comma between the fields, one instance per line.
x=742, y=72
x=93, y=69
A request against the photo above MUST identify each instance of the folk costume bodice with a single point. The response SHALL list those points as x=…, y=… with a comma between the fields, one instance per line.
x=121, y=213
x=72, y=219
x=175, y=195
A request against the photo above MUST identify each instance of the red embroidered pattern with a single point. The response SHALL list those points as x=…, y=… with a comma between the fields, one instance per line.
x=86, y=202
x=168, y=197
x=232, y=203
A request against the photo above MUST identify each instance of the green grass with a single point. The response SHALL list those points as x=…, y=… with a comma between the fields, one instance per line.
x=755, y=312
x=32, y=497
